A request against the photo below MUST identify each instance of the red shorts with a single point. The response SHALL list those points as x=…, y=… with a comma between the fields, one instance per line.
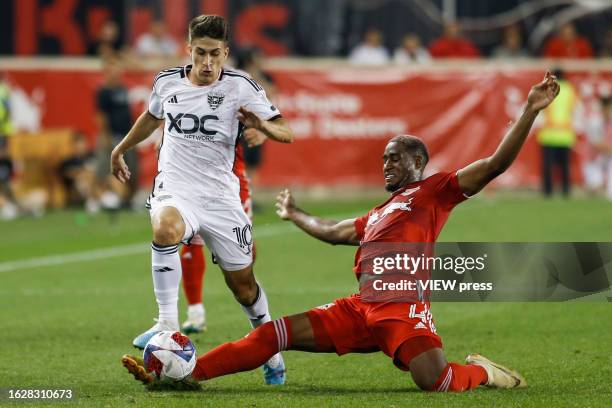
x=354, y=326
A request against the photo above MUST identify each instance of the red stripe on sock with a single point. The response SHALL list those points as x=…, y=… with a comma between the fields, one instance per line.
x=458, y=377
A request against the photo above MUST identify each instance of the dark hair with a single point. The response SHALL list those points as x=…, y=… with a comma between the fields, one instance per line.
x=412, y=145
x=204, y=25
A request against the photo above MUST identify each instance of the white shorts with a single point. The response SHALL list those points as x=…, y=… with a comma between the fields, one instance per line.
x=247, y=206
x=226, y=229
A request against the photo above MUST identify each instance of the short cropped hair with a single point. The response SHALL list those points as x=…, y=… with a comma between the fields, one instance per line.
x=412, y=145
x=212, y=26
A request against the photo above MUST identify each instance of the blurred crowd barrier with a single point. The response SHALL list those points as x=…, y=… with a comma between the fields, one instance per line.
x=342, y=115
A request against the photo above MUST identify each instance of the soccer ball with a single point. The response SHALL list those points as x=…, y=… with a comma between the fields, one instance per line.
x=169, y=355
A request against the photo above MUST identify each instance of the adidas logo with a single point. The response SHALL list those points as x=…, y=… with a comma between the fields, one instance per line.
x=164, y=269
x=173, y=100
x=420, y=325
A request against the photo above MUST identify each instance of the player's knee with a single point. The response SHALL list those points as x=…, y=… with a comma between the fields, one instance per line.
x=426, y=367
x=425, y=379
x=168, y=231
x=424, y=382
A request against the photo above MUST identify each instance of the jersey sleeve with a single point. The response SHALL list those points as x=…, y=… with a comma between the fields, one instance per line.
x=253, y=97
x=156, y=108
x=447, y=190
x=360, y=224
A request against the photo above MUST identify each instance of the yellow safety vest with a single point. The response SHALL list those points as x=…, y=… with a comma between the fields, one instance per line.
x=558, y=130
x=6, y=127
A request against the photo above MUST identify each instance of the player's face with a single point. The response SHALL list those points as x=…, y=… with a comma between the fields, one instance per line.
x=399, y=167
x=208, y=57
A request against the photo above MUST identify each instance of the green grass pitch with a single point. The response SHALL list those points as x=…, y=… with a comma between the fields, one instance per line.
x=66, y=324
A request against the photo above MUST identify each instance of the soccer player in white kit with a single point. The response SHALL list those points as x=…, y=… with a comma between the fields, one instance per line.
x=205, y=110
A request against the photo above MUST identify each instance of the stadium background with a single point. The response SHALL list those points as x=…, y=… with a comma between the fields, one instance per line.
x=75, y=287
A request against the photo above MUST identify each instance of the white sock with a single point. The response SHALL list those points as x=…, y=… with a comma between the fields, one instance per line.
x=166, y=269
x=258, y=312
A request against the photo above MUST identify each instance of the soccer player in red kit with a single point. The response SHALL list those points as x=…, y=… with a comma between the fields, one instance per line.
x=415, y=212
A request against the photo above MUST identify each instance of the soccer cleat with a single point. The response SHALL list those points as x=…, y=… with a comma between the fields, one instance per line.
x=196, y=321
x=498, y=375
x=141, y=340
x=135, y=366
x=274, y=370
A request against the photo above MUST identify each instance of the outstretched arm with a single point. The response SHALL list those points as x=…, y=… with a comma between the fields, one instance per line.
x=144, y=126
x=475, y=176
x=277, y=129
x=333, y=232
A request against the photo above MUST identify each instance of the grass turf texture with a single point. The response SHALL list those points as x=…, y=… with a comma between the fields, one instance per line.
x=67, y=325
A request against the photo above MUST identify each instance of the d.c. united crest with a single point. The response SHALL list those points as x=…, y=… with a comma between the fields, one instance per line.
x=215, y=99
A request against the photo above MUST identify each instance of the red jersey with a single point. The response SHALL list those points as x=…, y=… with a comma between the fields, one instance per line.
x=415, y=213
x=558, y=48
x=445, y=47
x=239, y=170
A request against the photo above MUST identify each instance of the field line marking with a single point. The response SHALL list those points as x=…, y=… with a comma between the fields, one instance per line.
x=130, y=249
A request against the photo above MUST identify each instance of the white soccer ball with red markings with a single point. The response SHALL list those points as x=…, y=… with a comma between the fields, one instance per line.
x=169, y=355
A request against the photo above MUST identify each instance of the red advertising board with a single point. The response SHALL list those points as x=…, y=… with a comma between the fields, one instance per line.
x=342, y=117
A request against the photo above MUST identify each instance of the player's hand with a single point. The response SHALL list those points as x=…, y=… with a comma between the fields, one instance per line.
x=254, y=137
x=285, y=204
x=542, y=94
x=249, y=119
x=118, y=167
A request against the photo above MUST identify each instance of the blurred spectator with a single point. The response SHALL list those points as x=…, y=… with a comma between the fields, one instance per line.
x=557, y=136
x=108, y=44
x=156, y=42
x=606, y=48
x=77, y=172
x=452, y=44
x=568, y=44
x=370, y=51
x=512, y=44
x=598, y=172
x=6, y=126
x=411, y=51
x=115, y=120
x=8, y=207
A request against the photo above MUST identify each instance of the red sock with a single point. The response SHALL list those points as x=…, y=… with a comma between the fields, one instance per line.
x=193, y=266
x=247, y=353
x=457, y=377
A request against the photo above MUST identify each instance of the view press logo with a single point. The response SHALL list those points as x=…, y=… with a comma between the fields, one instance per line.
x=398, y=272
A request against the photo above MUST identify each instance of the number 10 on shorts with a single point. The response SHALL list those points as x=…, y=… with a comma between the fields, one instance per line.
x=244, y=237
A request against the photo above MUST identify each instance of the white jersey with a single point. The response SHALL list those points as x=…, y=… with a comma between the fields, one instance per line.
x=201, y=131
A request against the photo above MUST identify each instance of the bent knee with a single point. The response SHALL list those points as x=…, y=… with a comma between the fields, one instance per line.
x=168, y=230
x=427, y=367
x=425, y=382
